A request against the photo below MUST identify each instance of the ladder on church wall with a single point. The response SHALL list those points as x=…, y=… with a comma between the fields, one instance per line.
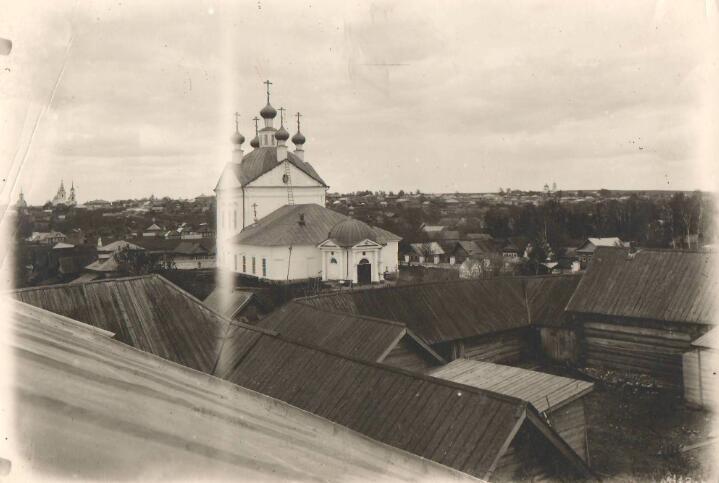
x=288, y=182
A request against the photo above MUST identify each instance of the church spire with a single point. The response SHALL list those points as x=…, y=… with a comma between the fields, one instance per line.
x=255, y=143
x=237, y=140
x=268, y=112
x=282, y=136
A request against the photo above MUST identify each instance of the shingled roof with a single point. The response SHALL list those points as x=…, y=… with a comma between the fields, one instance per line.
x=93, y=408
x=367, y=338
x=466, y=428
x=148, y=312
x=263, y=160
x=445, y=311
x=667, y=285
x=282, y=227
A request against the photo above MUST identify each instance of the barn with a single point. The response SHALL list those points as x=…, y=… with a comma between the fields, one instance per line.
x=700, y=370
x=496, y=320
x=560, y=399
x=638, y=313
x=460, y=426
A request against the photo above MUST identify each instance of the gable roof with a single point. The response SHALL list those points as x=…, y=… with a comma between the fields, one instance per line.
x=94, y=408
x=228, y=302
x=263, y=160
x=282, y=227
x=433, y=247
x=546, y=392
x=445, y=311
x=367, y=338
x=148, y=312
x=668, y=285
x=466, y=428
x=710, y=340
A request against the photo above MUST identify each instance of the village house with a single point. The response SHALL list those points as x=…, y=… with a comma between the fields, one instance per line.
x=586, y=250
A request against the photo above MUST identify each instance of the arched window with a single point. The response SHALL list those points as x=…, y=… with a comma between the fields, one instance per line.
x=364, y=261
x=333, y=260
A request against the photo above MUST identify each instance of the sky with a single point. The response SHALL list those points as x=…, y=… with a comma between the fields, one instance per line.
x=128, y=99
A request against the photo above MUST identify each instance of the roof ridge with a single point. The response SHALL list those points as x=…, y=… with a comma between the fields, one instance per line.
x=348, y=314
x=80, y=284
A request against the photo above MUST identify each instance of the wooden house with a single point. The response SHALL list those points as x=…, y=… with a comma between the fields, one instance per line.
x=95, y=409
x=700, y=367
x=560, y=399
x=637, y=313
x=367, y=338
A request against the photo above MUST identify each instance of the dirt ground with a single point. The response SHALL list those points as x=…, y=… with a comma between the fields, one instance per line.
x=638, y=434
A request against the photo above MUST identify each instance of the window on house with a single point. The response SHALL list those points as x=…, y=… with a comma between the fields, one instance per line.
x=244, y=264
x=333, y=260
x=254, y=269
x=264, y=267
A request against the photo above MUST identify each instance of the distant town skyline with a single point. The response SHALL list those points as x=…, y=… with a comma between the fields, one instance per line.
x=132, y=99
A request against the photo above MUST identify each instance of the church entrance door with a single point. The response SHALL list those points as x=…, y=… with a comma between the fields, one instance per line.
x=364, y=272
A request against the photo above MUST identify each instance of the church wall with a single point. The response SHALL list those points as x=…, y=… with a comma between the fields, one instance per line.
x=268, y=199
x=274, y=178
x=389, y=260
x=304, y=261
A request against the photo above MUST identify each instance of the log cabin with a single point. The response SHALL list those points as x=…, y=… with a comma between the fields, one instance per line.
x=638, y=313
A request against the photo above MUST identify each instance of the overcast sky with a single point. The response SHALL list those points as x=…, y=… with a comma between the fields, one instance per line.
x=130, y=99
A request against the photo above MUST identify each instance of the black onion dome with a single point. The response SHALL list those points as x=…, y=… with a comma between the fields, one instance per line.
x=237, y=138
x=349, y=232
x=282, y=134
x=298, y=138
x=255, y=143
x=268, y=112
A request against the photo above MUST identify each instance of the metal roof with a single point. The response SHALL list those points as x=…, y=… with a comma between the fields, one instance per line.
x=667, y=285
x=546, y=392
x=367, y=338
x=148, y=312
x=444, y=311
x=463, y=427
x=282, y=227
x=263, y=160
x=95, y=409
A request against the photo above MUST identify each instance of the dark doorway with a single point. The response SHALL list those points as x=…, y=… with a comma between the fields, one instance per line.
x=364, y=272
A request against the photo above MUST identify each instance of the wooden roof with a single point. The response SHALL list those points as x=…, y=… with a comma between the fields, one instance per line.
x=367, y=338
x=546, y=392
x=148, y=312
x=228, y=302
x=263, y=160
x=710, y=340
x=666, y=285
x=445, y=311
x=463, y=427
x=96, y=409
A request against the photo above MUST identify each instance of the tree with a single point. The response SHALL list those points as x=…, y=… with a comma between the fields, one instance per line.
x=139, y=262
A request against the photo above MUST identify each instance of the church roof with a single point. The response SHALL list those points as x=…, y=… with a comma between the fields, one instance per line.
x=263, y=160
x=350, y=231
x=282, y=227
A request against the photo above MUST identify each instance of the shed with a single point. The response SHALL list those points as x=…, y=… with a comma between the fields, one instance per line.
x=561, y=399
x=700, y=367
x=637, y=313
x=367, y=338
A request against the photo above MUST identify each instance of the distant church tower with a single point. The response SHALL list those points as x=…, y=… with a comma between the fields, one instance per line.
x=255, y=184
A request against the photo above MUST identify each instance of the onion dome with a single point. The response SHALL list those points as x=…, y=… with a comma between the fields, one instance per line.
x=255, y=143
x=237, y=138
x=298, y=138
x=282, y=134
x=268, y=112
x=349, y=232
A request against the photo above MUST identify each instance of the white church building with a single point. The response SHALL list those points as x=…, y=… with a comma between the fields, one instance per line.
x=272, y=222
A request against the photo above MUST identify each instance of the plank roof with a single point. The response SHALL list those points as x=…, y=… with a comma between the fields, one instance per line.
x=666, y=285
x=263, y=160
x=228, y=302
x=92, y=408
x=282, y=227
x=445, y=311
x=546, y=392
x=710, y=340
x=367, y=338
x=148, y=312
x=463, y=427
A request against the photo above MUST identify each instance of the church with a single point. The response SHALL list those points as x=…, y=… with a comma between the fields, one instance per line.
x=272, y=222
x=62, y=198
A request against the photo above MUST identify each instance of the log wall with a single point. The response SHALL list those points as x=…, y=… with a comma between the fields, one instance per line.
x=559, y=344
x=509, y=347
